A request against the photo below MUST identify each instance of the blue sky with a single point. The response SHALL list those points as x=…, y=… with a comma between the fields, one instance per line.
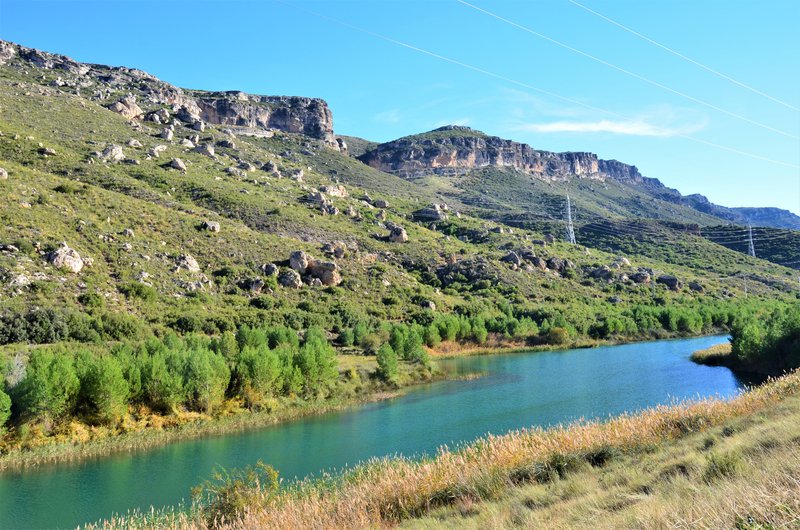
x=510, y=83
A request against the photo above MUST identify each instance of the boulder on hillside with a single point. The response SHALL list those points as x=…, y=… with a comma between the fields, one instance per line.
x=47, y=151
x=697, y=287
x=428, y=304
x=640, y=277
x=334, y=191
x=133, y=142
x=327, y=272
x=397, y=234
x=269, y=269
x=211, y=226
x=205, y=149
x=381, y=203
x=539, y=263
x=112, y=153
x=672, y=283
x=156, y=150
x=227, y=144
x=434, y=212
x=336, y=249
x=127, y=107
x=299, y=261
x=177, y=163
x=322, y=203
x=167, y=134
x=187, y=262
x=290, y=279
x=66, y=258
x=3, y=174
x=513, y=258
x=602, y=273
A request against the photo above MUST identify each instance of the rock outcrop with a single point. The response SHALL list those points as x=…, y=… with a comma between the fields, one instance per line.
x=454, y=149
x=143, y=93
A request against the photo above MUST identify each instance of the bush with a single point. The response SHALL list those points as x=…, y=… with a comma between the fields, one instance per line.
x=387, y=363
x=721, y=465
x=138, y=290
x=206, y=378
x=5, y=409
x=230, y=495
x=557, y=336
x=103, y=388
x=258, y=375
x=50, y=386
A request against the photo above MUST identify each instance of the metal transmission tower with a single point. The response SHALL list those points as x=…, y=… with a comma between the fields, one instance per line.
x=751, y=250
x=570, y=228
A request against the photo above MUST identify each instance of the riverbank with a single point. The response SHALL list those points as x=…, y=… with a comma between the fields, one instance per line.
x=553, y=473
x=78, y=442
x=143, y=430
x=450, y=350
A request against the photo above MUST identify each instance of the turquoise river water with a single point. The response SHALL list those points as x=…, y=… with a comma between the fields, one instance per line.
x=516, y=390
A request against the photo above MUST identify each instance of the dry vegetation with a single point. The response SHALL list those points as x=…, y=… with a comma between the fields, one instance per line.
x=670, y=466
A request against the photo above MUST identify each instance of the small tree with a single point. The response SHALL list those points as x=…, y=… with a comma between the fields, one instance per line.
x=50, y=386
x=104, y=390
x=5, y=410
x=206, y=379
x=387, y=363
x=258, y=372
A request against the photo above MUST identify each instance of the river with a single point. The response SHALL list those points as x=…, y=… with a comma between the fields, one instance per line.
x=516, y=390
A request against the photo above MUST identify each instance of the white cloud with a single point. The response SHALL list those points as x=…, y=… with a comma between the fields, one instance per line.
x=459, y=121
x=389, y=116
x=638, y=127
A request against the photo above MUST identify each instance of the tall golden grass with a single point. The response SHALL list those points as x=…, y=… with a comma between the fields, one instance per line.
x=386, y=491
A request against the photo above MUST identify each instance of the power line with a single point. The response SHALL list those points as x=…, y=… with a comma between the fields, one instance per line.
x=527, y=85
x=570, y=228
x=684, y=57
x=630, y=73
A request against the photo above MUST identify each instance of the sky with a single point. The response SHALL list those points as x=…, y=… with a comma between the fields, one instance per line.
x=703, y=95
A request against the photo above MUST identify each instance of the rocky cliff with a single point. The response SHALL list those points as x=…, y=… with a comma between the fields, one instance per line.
x=136, y=94
x=456, y=149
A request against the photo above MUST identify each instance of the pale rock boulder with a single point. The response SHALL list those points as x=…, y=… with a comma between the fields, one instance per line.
x=187, y=262
x=178, y=164
x=66, y=258
x=112, y=153
x=335, y=190
x=299, y=261
x=127, y=107
x=211, y=226
x=290, y=279
x=205, y=149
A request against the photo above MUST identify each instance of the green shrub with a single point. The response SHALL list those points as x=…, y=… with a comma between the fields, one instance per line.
x=139, y=291
x=50, y=387
x=5, y=409
x=229, y=495
x=387, y=363
x=721, y=465
x=103, y=388
x=206, y=378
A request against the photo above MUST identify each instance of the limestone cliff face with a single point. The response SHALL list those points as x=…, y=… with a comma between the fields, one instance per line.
x=455, y=149
x=308, y=116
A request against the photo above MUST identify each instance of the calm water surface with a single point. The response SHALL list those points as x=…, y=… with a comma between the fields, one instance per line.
x=517, y=390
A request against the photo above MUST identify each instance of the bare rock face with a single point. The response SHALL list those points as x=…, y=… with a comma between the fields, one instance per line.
x=453, y=150
x=66, y=258
x=290, y=279
x=308, y=116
